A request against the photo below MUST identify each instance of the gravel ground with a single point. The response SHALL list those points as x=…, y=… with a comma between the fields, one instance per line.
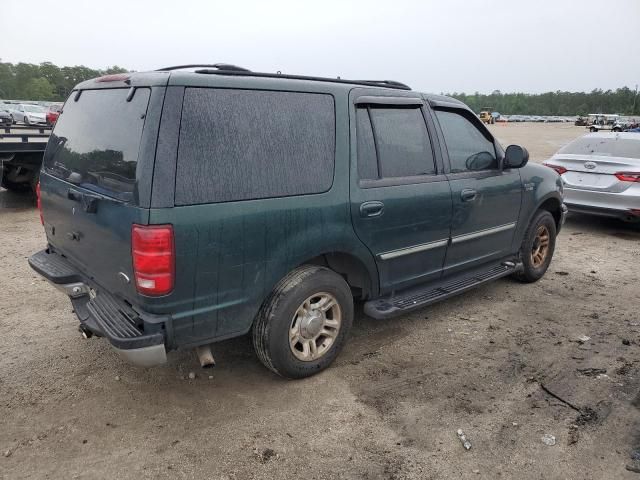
x=507, y=363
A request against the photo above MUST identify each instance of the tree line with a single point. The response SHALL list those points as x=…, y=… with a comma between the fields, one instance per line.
x=622, y=100
x=46, y=81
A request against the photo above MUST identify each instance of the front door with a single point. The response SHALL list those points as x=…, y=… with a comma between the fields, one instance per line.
x=400, y=198
x=486, y=198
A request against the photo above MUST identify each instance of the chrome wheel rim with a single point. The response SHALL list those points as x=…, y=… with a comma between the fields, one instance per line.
x=540, y=248
x=315, y=327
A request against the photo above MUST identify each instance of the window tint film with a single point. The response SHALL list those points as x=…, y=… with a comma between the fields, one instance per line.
x=249, y=144
x=468, y=148
x=367, y=160
x=96, y=141
x=402, y=141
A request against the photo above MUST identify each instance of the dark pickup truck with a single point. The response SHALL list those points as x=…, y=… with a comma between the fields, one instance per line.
x=182, y=208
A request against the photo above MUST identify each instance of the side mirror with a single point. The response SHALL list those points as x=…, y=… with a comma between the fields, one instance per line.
x=515, y=157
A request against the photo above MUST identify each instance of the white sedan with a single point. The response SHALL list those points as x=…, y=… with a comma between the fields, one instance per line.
x=30, y=114
x=601, y=174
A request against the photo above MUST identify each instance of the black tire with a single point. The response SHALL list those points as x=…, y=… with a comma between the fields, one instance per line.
x=275, y=319
x=543, y=220
x=26, y=121
x=593, y=129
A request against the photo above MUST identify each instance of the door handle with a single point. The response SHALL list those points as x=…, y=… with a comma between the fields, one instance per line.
x=371, y=209
x=468, y=195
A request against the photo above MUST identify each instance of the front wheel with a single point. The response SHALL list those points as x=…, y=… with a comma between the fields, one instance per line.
x=537, y=247
x=26, y=121
x=304, y=323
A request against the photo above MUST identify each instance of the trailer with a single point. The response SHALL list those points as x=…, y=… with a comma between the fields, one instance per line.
x=21, y=152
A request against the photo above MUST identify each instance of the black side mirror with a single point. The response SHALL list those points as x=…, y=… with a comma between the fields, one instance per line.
x=515, y=157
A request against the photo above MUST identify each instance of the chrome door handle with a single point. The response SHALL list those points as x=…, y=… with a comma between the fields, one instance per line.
x=468, y=195
x=371, y=209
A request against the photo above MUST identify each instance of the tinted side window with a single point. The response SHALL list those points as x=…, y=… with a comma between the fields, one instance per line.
x=468, y=148
x=249, y=144
x=400, y=139
x=367, y=160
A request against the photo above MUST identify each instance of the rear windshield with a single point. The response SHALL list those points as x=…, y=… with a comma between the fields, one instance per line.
x=96, y=140
x=612, y=146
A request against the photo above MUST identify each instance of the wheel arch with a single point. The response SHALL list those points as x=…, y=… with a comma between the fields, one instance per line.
x=361, y=278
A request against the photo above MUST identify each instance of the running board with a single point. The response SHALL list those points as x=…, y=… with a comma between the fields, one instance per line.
x=421, y=296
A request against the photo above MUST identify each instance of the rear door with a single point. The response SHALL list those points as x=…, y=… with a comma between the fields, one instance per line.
x=486, y=198
x=400, y=198
x=91, y=183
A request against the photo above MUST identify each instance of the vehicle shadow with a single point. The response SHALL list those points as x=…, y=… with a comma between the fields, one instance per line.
x=16, y=200
x=604, y=225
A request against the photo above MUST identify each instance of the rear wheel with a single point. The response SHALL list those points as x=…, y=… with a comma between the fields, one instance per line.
x=537, y=247
x=304, y=323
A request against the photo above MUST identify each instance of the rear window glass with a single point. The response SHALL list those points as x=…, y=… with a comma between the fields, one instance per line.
x=96, y=140
x=249, y=144
x=612, y=146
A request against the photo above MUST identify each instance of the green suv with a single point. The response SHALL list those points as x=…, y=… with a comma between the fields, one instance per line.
x=184, y=206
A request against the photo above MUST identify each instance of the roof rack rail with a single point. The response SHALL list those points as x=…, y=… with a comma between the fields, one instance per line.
x=220, y=66
x=248, y=73
x=389, y=83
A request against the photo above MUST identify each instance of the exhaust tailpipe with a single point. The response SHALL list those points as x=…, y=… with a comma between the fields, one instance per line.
x=205, y=356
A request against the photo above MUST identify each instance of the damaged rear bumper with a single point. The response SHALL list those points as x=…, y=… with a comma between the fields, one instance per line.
x=139, y=342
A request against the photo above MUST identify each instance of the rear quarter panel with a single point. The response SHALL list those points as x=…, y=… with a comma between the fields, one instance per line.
x=229, y=256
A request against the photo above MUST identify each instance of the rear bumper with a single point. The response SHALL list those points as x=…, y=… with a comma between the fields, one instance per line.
x=139, y=342
x=625, y=214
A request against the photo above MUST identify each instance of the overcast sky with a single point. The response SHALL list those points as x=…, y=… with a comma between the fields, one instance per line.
x=433, y=45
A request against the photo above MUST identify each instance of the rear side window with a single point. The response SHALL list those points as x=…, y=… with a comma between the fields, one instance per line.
x=469, y=150
x=393, y=142
x=96, y=140
x=250, y=144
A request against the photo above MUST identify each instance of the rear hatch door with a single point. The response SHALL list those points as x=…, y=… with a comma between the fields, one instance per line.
x=90, y=183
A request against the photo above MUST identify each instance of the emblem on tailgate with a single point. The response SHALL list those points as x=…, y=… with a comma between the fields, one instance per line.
x=590, y=165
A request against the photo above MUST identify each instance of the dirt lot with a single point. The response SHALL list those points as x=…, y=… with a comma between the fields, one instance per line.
x=390, y=406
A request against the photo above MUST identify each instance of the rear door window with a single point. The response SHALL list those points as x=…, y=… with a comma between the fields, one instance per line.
x=393, y=142
x=250, y=144
x=96, y=141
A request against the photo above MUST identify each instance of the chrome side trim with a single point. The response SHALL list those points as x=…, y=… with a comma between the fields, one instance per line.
x=415, y=249
x=482, y=233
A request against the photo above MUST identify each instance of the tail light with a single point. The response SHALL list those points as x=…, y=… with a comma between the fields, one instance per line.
x=628, y=176
x=557, y=168
x=153, y=252
x=39, y=202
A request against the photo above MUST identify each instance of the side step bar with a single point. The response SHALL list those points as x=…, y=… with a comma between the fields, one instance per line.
x=418, y=297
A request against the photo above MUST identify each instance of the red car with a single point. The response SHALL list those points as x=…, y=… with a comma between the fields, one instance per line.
x=53, y=113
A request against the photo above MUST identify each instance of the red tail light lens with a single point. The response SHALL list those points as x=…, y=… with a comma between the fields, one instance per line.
x=39, y=202
x=628, y=176
x=153, y=252
x=557, y=168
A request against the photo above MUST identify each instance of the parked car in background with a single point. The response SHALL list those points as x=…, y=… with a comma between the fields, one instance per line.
x=232, y=202
x=30, y=114
x=5, y=117
x=12, y=108
x=601, y=174
x=53, y=112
